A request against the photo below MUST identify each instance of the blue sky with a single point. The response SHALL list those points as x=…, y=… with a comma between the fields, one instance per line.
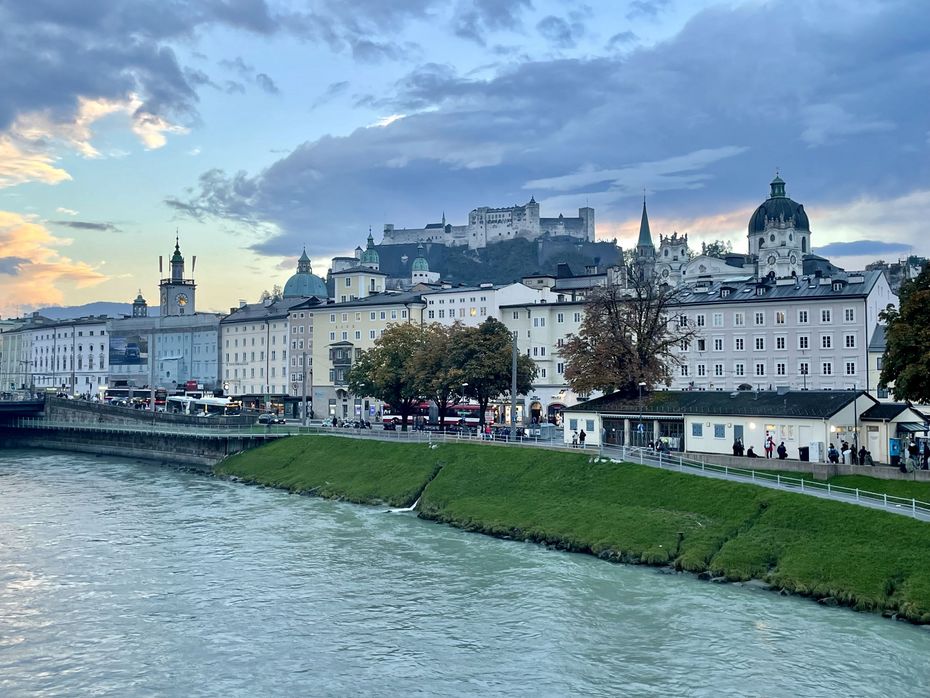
x=256, y=127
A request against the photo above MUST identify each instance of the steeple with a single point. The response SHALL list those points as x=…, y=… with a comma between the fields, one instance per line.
x=303, y=264
x=778, y=186
x=177, y=261
x=645, y=236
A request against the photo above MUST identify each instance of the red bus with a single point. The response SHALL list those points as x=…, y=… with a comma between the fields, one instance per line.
x=425, y=415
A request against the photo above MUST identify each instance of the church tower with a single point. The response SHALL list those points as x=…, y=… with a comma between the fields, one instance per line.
x=644, y=261
x=779, y=234
x=139, y=307
x=672, y=258
x=176, y=292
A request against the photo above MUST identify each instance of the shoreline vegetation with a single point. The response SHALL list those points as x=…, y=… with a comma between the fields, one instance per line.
x=838, y=554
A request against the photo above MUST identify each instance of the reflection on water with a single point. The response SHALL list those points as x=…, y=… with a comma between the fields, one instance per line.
x=129, y=579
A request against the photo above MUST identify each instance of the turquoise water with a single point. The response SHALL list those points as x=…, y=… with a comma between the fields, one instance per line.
x=118, y=578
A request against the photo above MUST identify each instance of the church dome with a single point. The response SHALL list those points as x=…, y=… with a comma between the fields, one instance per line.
x=370, y=255
x=778, y=207
x=420, y=263
x=304, y=283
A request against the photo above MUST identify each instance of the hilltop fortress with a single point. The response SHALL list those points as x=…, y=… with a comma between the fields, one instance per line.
x=486, y=225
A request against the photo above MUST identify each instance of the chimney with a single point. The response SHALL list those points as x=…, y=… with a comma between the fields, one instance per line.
x=242, y=302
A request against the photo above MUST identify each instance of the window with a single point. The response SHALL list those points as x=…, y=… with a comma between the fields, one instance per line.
x=850, y=368
x=739, y=369
x=430, y=314
x=826, y=315
x=685, y=344
x=879, y=363
x=739, y=344
x=759, y=318
x=697, y=429
x=849, y=315
x=699, y=320
x=701, y=345
x=542, y=372
x=560, y=317
x=348, y=281
x=739, y=319
x=383, y=315
x=442, y=313
x=827, y=368
x=393, y=314
x=780, y=342
x=804, y=368
x=780, y=369
x=371, y=334
x=882, y=393
x=684, y=370
x=802, y=317
x=760, y=343
x=779, y=317
x=577, y=317
x=516, y=315
x=718, y=370
x=718, y=319
x=804, y=342
x=849, y=341
x=701, y=370
x=720, y=431
x=826, y=341
x=332, y=336
x=358, y=334
x=332, y=317
x=760, y=369
x=718, y=344
x=560, y=368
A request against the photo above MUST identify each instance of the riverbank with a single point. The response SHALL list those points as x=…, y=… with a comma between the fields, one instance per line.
x=836, y=553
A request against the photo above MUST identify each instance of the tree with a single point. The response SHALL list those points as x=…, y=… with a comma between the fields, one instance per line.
x=436, y=369
x=485, y=356
x=388, y=372
x=906, y=362
x=628, y=336
x=717, y=248
x=275, y=294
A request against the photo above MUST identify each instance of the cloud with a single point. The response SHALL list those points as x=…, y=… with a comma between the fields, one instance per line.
x=621, y=39
x=475, y=19
x=21, y=162
x=66, y=211
x=88, y=225
x=868, y=248
x=267, y=84
x=646, y=8
x=333, y=90
x=701, y=131
x=34, y=271
x=560, y=33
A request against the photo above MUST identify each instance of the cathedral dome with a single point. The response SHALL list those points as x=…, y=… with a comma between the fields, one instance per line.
x=420, y=263
x=304, y=283
x=778, y=207
x=370, y=256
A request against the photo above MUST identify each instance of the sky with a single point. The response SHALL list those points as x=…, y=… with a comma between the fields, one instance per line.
x=253, y=128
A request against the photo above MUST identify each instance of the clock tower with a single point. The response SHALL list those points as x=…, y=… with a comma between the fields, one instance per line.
x=176, y=292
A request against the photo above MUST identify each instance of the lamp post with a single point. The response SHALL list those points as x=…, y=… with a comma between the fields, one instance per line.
x=639, y=427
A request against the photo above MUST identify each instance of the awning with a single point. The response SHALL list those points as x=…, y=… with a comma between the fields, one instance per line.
x=911, y=427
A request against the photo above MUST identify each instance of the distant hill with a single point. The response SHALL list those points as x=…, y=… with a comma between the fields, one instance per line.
x=500, y=262
x=111, y=309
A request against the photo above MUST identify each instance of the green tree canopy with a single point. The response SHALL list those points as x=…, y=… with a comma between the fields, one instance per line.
x=388, y=370
x=717, y=248
x=628, y=336
x=906, y=363
x=436, y=369
x=485, y=356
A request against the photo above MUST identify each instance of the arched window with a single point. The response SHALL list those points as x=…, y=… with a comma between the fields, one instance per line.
x=803, y=244
x=761, y=242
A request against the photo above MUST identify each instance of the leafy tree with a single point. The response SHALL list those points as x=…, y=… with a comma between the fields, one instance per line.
x=906, y=363
x=388, y=371
x=628, y=335
x=275, y=294
x=440, y=376
x=485, y=355
x=717, y=248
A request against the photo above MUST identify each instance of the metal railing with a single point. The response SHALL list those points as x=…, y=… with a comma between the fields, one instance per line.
x=632, y=454
x=914, y=508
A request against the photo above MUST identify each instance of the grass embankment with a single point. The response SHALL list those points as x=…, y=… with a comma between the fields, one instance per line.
x=867, y=559
x=907, y=489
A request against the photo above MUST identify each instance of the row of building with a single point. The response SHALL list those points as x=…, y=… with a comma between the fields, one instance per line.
x=777, y=317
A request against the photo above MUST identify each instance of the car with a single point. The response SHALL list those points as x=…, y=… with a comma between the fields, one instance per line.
x=271, y=418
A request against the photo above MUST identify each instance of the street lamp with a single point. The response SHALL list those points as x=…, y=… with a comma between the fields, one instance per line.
x=639, y=427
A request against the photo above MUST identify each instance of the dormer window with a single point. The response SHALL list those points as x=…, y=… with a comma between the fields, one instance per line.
x=837, y=285
x=760, y=290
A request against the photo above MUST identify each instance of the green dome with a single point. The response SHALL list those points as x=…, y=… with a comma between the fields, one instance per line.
x=304, y=283
x=370, y=255
x=420, y=263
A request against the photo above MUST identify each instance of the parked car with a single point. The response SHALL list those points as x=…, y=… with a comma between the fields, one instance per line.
x=271, y=418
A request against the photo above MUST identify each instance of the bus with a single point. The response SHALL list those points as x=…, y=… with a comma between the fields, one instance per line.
x=425, y=415
x=204, y=406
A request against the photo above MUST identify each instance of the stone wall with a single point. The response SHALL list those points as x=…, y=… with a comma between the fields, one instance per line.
x=83, y=412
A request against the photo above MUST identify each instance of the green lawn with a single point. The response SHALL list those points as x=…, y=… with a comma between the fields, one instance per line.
x=909, y=489
x=865, y=558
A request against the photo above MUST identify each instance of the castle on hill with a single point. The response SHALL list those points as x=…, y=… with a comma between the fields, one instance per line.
x=488, y=225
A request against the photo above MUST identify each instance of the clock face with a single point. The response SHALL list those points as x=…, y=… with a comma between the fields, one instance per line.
x=771, y=259
x=182, y=299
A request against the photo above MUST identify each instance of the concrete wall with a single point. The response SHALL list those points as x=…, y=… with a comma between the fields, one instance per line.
x=821, y=471
x=201, y=453
x=82, y=412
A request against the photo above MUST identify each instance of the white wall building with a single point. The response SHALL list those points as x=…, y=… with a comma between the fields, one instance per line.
x=66, y=355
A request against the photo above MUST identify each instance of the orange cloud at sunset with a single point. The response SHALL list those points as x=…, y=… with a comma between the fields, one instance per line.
x=33, y=272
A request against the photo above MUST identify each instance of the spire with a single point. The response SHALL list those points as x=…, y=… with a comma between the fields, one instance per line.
x=645, y=236
x=303, y=264
x=778, y=186
x=443, y=219
x=371, y=239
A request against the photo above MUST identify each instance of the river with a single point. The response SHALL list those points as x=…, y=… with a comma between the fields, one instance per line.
x=127, y=579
